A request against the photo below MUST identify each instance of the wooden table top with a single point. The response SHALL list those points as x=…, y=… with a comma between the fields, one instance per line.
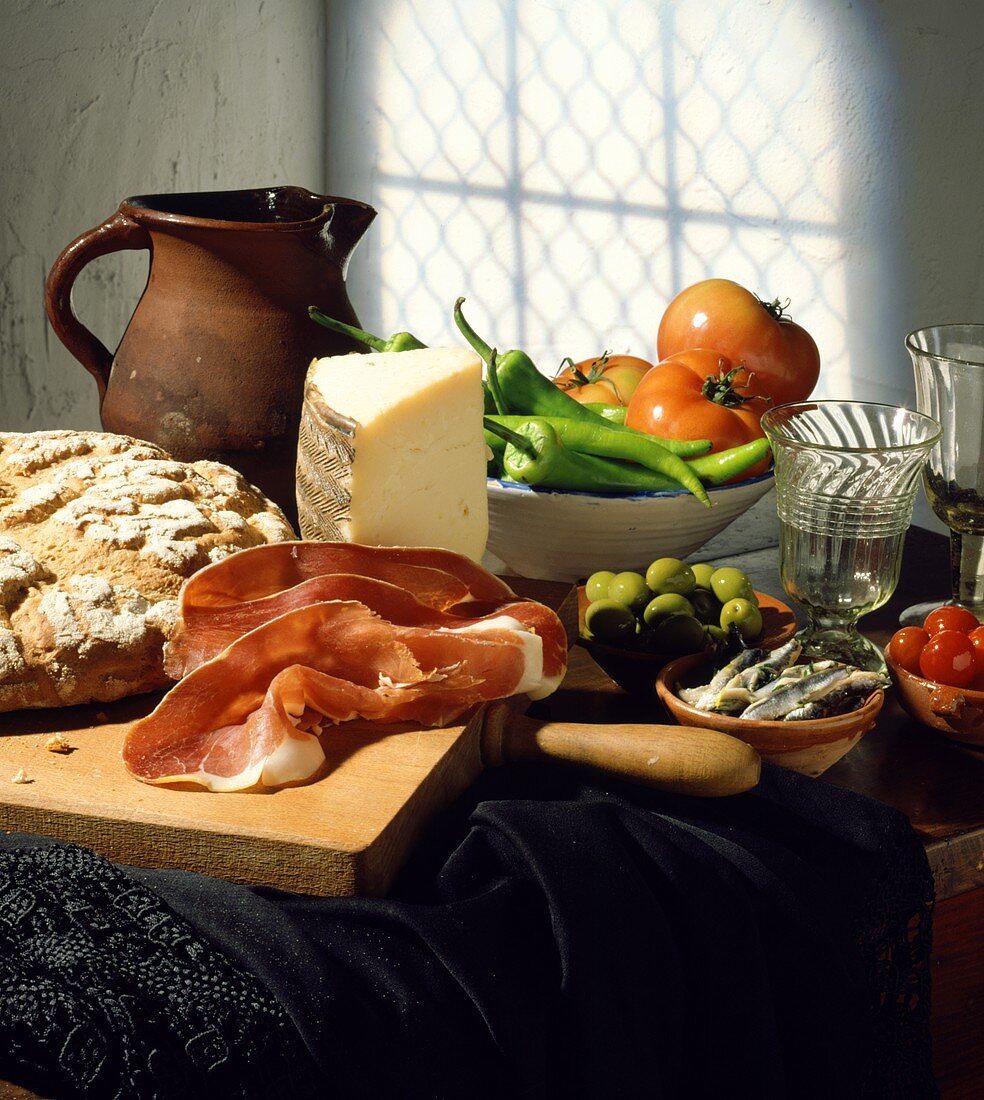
x=936, y=782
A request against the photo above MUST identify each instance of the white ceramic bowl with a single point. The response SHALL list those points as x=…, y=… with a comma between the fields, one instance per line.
x=560, y=535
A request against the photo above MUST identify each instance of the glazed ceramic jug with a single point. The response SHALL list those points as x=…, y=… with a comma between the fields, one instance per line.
x=212, y=363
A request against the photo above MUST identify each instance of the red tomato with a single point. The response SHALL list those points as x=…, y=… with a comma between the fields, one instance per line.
x=906, y=645
x=781, y=357
x=949, y=658
x=977, y=641
x=610, y=379
x=670, y=402
x=950, y=618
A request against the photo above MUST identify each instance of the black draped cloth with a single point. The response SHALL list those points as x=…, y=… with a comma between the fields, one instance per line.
x=552, y=938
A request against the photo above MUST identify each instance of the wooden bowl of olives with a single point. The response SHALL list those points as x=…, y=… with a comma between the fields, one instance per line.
x=633, y=624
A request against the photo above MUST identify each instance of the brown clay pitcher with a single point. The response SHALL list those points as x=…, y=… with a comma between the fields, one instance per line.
x=212, y=363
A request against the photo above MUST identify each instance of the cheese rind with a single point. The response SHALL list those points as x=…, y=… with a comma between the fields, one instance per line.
x=391, y=451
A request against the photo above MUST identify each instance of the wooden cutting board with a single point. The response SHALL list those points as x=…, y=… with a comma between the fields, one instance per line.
x=348, y=832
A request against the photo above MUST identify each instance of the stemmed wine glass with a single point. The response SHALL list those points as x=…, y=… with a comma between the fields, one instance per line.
x=846, y=477
x=949, y=366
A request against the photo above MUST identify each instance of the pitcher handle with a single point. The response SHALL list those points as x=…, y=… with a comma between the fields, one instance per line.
x=116, y=233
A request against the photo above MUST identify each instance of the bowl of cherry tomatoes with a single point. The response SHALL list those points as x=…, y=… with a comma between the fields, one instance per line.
x=938, y=672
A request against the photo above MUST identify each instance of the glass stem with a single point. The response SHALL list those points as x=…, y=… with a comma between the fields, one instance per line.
x=967, y=570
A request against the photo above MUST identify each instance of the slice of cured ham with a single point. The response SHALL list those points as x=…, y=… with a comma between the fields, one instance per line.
x=206, y=630
x=251, y=716
x=438, y=578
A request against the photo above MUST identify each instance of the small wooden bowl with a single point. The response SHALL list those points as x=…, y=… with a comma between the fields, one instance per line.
x=809, y=748
x=635, y=672
x=958, y=713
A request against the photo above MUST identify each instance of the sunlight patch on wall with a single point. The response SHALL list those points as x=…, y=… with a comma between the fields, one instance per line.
x=569, y=167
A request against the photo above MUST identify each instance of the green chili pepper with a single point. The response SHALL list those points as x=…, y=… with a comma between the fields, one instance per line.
x=722, y=467
x=615, y=414
x=497, y=445
x=399, y=341
x=526, y=390
x=551, y=465
x=603, y=442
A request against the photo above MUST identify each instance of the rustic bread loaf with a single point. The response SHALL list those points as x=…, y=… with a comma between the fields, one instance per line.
x=97, y=534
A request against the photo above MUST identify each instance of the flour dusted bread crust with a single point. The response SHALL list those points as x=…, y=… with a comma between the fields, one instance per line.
x=97, y=534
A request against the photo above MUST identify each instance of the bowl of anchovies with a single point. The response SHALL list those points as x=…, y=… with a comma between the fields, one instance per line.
x=803, y=716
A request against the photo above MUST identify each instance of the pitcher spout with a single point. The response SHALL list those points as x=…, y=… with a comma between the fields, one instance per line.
x=345, y=227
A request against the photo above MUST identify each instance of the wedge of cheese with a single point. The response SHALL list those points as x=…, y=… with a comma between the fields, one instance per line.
x=391, y=451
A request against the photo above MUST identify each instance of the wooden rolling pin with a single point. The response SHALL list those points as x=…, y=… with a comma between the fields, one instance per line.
x=680, y=759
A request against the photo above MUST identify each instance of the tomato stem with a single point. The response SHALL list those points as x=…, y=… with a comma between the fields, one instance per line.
x=775, y=308
x=578, y=377
x=723, y=390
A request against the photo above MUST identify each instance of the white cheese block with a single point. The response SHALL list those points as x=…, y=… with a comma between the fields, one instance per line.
x=391, y=451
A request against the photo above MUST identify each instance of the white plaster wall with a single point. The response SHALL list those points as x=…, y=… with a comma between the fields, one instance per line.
x=570, y=166
x=100, y=99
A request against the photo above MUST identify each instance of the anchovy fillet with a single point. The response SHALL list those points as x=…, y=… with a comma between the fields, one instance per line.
x=702, y=697
x=840, y=700
x=806, y=690
x=734, y=698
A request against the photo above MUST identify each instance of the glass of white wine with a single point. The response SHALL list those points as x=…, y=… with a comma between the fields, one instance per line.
x=846, y=478
x=949, y=365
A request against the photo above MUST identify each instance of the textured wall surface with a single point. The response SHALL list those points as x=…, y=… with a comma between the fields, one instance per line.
x=570, y=166
x=100, y=100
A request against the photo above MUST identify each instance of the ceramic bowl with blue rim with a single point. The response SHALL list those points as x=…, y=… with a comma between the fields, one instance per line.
x=564, y=535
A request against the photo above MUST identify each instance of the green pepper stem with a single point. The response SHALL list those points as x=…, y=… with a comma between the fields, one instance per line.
x=501, y=407
x=518, y=441
x=480, y=346
x=367, y=338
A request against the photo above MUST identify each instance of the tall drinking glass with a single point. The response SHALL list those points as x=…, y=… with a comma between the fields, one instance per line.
x=949, y=366
x=846, y=476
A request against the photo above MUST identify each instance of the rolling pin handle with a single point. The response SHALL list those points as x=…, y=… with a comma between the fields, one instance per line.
x=679, y=759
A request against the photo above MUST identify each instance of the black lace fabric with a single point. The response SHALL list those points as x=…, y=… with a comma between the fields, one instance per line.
x=105, y=992
x=895, y=937
x=551, y=937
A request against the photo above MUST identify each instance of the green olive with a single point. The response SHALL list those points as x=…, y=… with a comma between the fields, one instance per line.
x=702, y=574
x=706, y=606
x=610, y=621
x=630, y=590
x=728, y=583
x=746, y=617
x=597, y=586
x=670, y=575
x=716, y=635
x=679, y=634
x=669, y=603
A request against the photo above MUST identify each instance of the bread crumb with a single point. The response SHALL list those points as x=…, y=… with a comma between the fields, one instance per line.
x=57, y=743
x=20, y=777
x=102, y=716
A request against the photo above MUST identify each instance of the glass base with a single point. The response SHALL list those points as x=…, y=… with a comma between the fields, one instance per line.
x=847, y=646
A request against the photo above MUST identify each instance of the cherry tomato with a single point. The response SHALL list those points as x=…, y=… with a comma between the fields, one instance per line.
x=950, y=618
x=906, y=645
x=671, y=402
x=948, y=658
x=977, y=641
x=610, y=379
x=780, y=355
